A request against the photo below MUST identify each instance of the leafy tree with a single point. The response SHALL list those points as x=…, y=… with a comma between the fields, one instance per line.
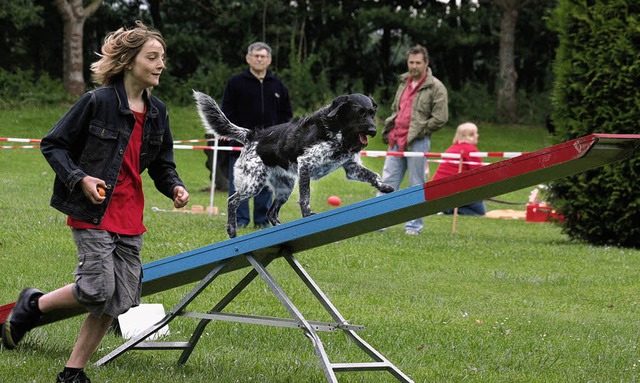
x=535, y=46
x=328, y=46
x=598, y=72
x=15, y=19
x=207, y=41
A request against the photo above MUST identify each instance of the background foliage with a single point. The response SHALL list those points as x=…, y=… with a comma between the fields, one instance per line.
x=598, y=72
x=322, y=48
x=327, y=47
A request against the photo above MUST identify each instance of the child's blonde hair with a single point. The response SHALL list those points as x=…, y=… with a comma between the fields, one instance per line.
x=464, y=131
x=119, y=49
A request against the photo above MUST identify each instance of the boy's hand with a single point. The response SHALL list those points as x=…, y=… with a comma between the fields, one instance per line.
x=90, y=187
x=180, y=197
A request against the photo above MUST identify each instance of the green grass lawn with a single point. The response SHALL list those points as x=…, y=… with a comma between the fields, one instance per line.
x=501, y=301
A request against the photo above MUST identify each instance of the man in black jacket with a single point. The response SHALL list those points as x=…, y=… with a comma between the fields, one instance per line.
x=255, y=99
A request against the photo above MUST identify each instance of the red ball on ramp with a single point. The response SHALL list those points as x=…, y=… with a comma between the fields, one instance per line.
x=334, y=200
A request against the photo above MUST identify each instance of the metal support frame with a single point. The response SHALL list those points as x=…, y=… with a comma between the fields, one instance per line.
x=297, y=320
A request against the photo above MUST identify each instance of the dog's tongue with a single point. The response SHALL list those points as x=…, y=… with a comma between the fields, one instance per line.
x=364, y=139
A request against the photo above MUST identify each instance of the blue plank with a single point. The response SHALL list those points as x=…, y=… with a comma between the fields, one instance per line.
x=366, y=216
x=394, y=208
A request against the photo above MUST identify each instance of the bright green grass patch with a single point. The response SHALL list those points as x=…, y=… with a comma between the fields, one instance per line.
x=501, y=301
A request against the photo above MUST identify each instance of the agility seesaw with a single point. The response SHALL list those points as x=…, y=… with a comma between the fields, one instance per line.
x=256, y=250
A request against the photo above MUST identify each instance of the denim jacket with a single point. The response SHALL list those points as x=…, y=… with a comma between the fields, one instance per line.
x=91, y=138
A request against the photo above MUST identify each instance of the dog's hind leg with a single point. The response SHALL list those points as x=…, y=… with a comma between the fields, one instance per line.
x=304, y=185
x=233, y=203
x=355, y=171
x=282, y=187
x=249, y=177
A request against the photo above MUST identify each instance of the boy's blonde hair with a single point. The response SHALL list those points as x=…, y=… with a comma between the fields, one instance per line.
x=464, y=131
x=120, y=49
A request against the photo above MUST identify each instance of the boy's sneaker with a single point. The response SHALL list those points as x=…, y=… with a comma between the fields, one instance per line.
x=24, y=316
x=72, y=377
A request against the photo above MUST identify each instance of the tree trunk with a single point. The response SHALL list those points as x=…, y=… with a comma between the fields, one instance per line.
x=154, y=9
x=506, y=108
x=73, y=16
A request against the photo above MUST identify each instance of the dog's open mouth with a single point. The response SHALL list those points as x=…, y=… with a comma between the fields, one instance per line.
x=364, y=139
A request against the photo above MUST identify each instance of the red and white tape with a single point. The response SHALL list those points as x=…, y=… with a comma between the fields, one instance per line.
x=365, y=153
x=203, y=147
x=19, y=147
x=20, y=140
x=382, y=153
x=496, y=154
x=186, y=141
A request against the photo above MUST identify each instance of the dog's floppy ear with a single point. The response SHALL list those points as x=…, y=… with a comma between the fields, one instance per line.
x=375, y=105
x=337, y=103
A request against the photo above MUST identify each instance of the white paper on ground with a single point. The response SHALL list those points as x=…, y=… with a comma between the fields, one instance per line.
x=140, y=318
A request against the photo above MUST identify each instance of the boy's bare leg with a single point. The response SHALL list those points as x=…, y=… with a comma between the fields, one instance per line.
x=91, y=333
x=58, y=299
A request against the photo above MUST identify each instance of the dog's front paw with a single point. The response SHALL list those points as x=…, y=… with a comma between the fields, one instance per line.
x=385, y=188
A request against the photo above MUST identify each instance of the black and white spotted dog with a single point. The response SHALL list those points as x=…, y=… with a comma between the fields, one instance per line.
x=304, y=150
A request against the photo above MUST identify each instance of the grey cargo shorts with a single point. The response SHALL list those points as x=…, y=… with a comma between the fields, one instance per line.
x=109, y=271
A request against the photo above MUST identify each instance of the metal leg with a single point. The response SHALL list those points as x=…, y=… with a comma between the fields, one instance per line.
x=309, y=328
x=293, y=310
x=381, y=362
x=133, y=342
x=216, y=309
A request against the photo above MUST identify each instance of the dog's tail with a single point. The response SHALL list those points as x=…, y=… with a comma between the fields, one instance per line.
x=215, y=121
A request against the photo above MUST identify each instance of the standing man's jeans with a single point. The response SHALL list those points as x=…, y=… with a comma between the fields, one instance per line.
x=261, y=202
x=395, y=168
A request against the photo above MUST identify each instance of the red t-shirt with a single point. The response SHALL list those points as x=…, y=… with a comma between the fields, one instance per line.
x=450, y=166
x=125, y=210
x=400, y=131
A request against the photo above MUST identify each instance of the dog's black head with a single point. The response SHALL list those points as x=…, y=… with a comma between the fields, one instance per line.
x=352, y=115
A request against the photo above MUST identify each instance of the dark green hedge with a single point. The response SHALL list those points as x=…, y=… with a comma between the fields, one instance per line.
x=597, y=90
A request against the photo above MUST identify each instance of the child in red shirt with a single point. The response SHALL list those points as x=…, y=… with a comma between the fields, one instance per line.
x=464, y=143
